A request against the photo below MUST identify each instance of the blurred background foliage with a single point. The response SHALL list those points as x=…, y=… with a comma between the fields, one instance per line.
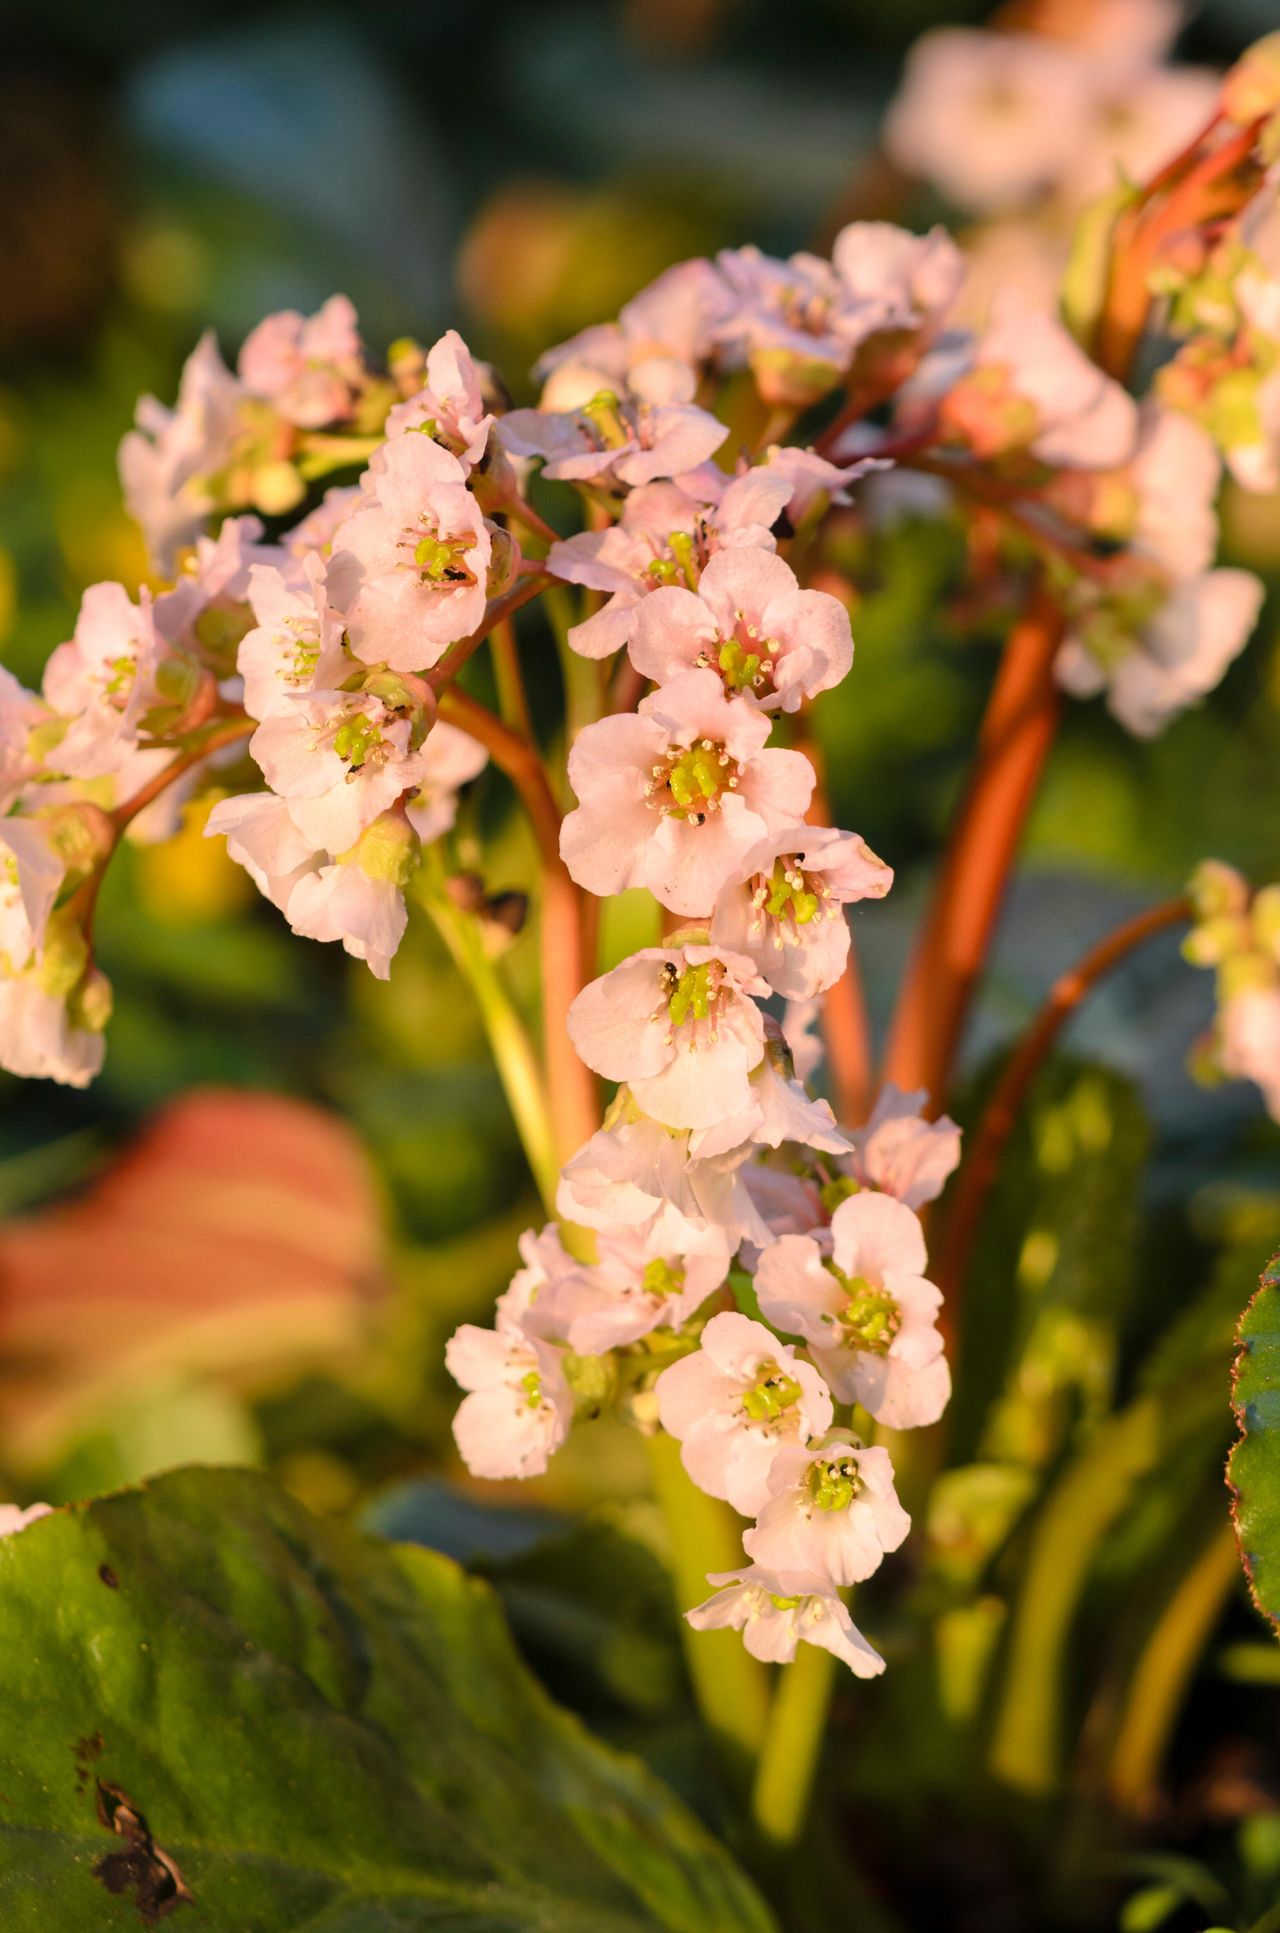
x=249, y=1239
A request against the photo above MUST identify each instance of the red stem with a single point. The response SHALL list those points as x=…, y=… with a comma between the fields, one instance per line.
x=212, y=741
x=1015, y=737
x=565, y=969
x=982, y=1158
x=1140, y=233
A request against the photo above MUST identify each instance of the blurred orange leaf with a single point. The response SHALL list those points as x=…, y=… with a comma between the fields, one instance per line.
x=238, y=1233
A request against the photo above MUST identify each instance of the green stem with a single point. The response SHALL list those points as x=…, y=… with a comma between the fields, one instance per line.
x=793, y=1746
x=731, y=1687
x=509, y=1041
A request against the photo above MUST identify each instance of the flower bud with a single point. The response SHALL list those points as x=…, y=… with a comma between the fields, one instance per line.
x=89, y=1005
x=786, y=379
x=277, y=488
x=1217, y=890
x=388, y=849
x=493, y=481
x=81, y=834
x=504, y=562
x=1252, y=87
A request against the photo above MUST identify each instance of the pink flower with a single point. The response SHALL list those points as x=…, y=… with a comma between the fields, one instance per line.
x=640, y=1282
x=910, y=281
x=341, y=758
x=207, y=611
x=651, y=429
x=1175, y=475
x=786, y=912
x=674, y=796
x=20, y=712
x=308, y=367
x=410, y=566
x=359, y=898
x=104, y=681
x=867, y=1312
x=675, y=316
x=317, y=531
x=1030, y=387
x=449, y=759
x=665, y=534
x=750, y=623
x=165, y=463
x=831, y=1509
x=449, y=407
x=901, y=1153
x=803, y=1043
x=519, y=1410
x=640, y=1175
x=1139, y=120
x=734, y=1406
x=811, y=479
x=1173, y=659
x=1249, y=1041
x=679, y=1025
x=41, y=1038
x=263, y=839
x=991, y=119
x=796, y=324
x=31, y=875
x=14, y=1518
x=296, y=643
x=776, y=1612
x=778, y=1110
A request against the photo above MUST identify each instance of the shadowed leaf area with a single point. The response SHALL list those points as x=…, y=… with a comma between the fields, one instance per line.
x=305, y=1729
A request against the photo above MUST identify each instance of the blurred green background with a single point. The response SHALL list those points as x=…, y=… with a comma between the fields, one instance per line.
x=519, y=172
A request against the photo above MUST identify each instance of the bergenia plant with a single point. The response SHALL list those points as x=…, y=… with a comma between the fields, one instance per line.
x=742, y=1256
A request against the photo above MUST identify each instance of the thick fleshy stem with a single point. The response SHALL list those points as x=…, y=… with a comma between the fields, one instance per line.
x=1203, y=191
x=783, y=1789
x=565, y=969
x=952, y=946
x=982, y=1159
x=731, y=1686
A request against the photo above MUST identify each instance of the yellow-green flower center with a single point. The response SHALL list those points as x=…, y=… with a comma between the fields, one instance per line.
x=870, y=1318
x=604, y=413
x=532, y=1387
x=355, y=739
x=787, y=894
x=772, y=1394
x=833, y=1485
x=440, y=559
x=662, y=1278
x=692, y=992
x=692, y=783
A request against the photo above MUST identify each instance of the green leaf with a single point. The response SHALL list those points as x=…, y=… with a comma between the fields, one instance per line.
x=314, y=1730
x=1254, y=1470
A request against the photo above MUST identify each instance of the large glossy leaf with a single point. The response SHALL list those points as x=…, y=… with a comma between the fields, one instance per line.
x=1254, y=1469
x=204, y=1688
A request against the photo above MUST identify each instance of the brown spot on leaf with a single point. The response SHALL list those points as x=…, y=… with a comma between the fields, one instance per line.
x=86, y=1751
x=141, y=1867
x=108, y=1577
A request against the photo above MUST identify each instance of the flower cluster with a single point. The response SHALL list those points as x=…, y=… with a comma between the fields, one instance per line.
x=1237, y=933
x=718, y=1187
x=339, y=533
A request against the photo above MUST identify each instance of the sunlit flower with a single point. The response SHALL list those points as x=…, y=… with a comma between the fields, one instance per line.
x=777, y=1612
x=735, y=1404
x=831, y=1509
